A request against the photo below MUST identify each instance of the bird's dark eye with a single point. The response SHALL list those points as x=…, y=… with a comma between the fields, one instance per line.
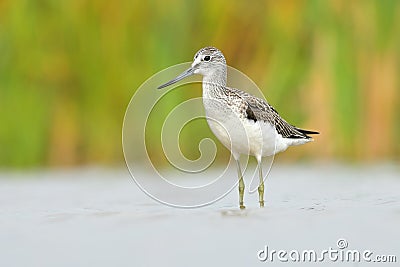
x=207, y=58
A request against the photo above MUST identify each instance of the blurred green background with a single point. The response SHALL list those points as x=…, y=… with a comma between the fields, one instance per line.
x=69, y=68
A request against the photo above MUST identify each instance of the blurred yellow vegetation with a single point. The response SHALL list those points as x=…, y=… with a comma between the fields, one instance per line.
x=69, y=68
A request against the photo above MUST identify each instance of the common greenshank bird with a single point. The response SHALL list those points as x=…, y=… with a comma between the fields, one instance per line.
x=242, y=122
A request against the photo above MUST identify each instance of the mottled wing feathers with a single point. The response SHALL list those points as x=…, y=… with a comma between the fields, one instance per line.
x=258, y=109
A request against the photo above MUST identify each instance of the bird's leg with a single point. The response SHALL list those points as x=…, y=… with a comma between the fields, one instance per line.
x=261, y=186
x=241, y=186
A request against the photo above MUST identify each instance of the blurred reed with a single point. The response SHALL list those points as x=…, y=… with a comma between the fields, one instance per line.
x=69, y=68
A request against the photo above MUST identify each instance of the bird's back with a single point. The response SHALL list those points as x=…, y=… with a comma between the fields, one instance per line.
x=259, y=109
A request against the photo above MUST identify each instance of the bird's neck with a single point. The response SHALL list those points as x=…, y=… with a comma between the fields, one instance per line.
x=213, y=83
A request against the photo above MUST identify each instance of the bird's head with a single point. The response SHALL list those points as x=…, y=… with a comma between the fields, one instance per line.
x=207, y=61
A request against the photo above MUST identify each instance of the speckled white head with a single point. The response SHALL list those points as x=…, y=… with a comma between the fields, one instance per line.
x=208, y=62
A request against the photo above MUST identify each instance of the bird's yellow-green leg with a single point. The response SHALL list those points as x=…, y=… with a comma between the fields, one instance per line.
x=261, y=186
x=241, y=193
x=241, y=186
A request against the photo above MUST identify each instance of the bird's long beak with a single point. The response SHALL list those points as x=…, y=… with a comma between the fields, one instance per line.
x=181, y=76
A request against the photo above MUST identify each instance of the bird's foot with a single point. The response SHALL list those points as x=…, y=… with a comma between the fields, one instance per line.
x=262, y=204
x=242, y=206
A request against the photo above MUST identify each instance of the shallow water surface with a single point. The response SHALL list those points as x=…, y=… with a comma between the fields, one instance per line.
x=99, y=217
